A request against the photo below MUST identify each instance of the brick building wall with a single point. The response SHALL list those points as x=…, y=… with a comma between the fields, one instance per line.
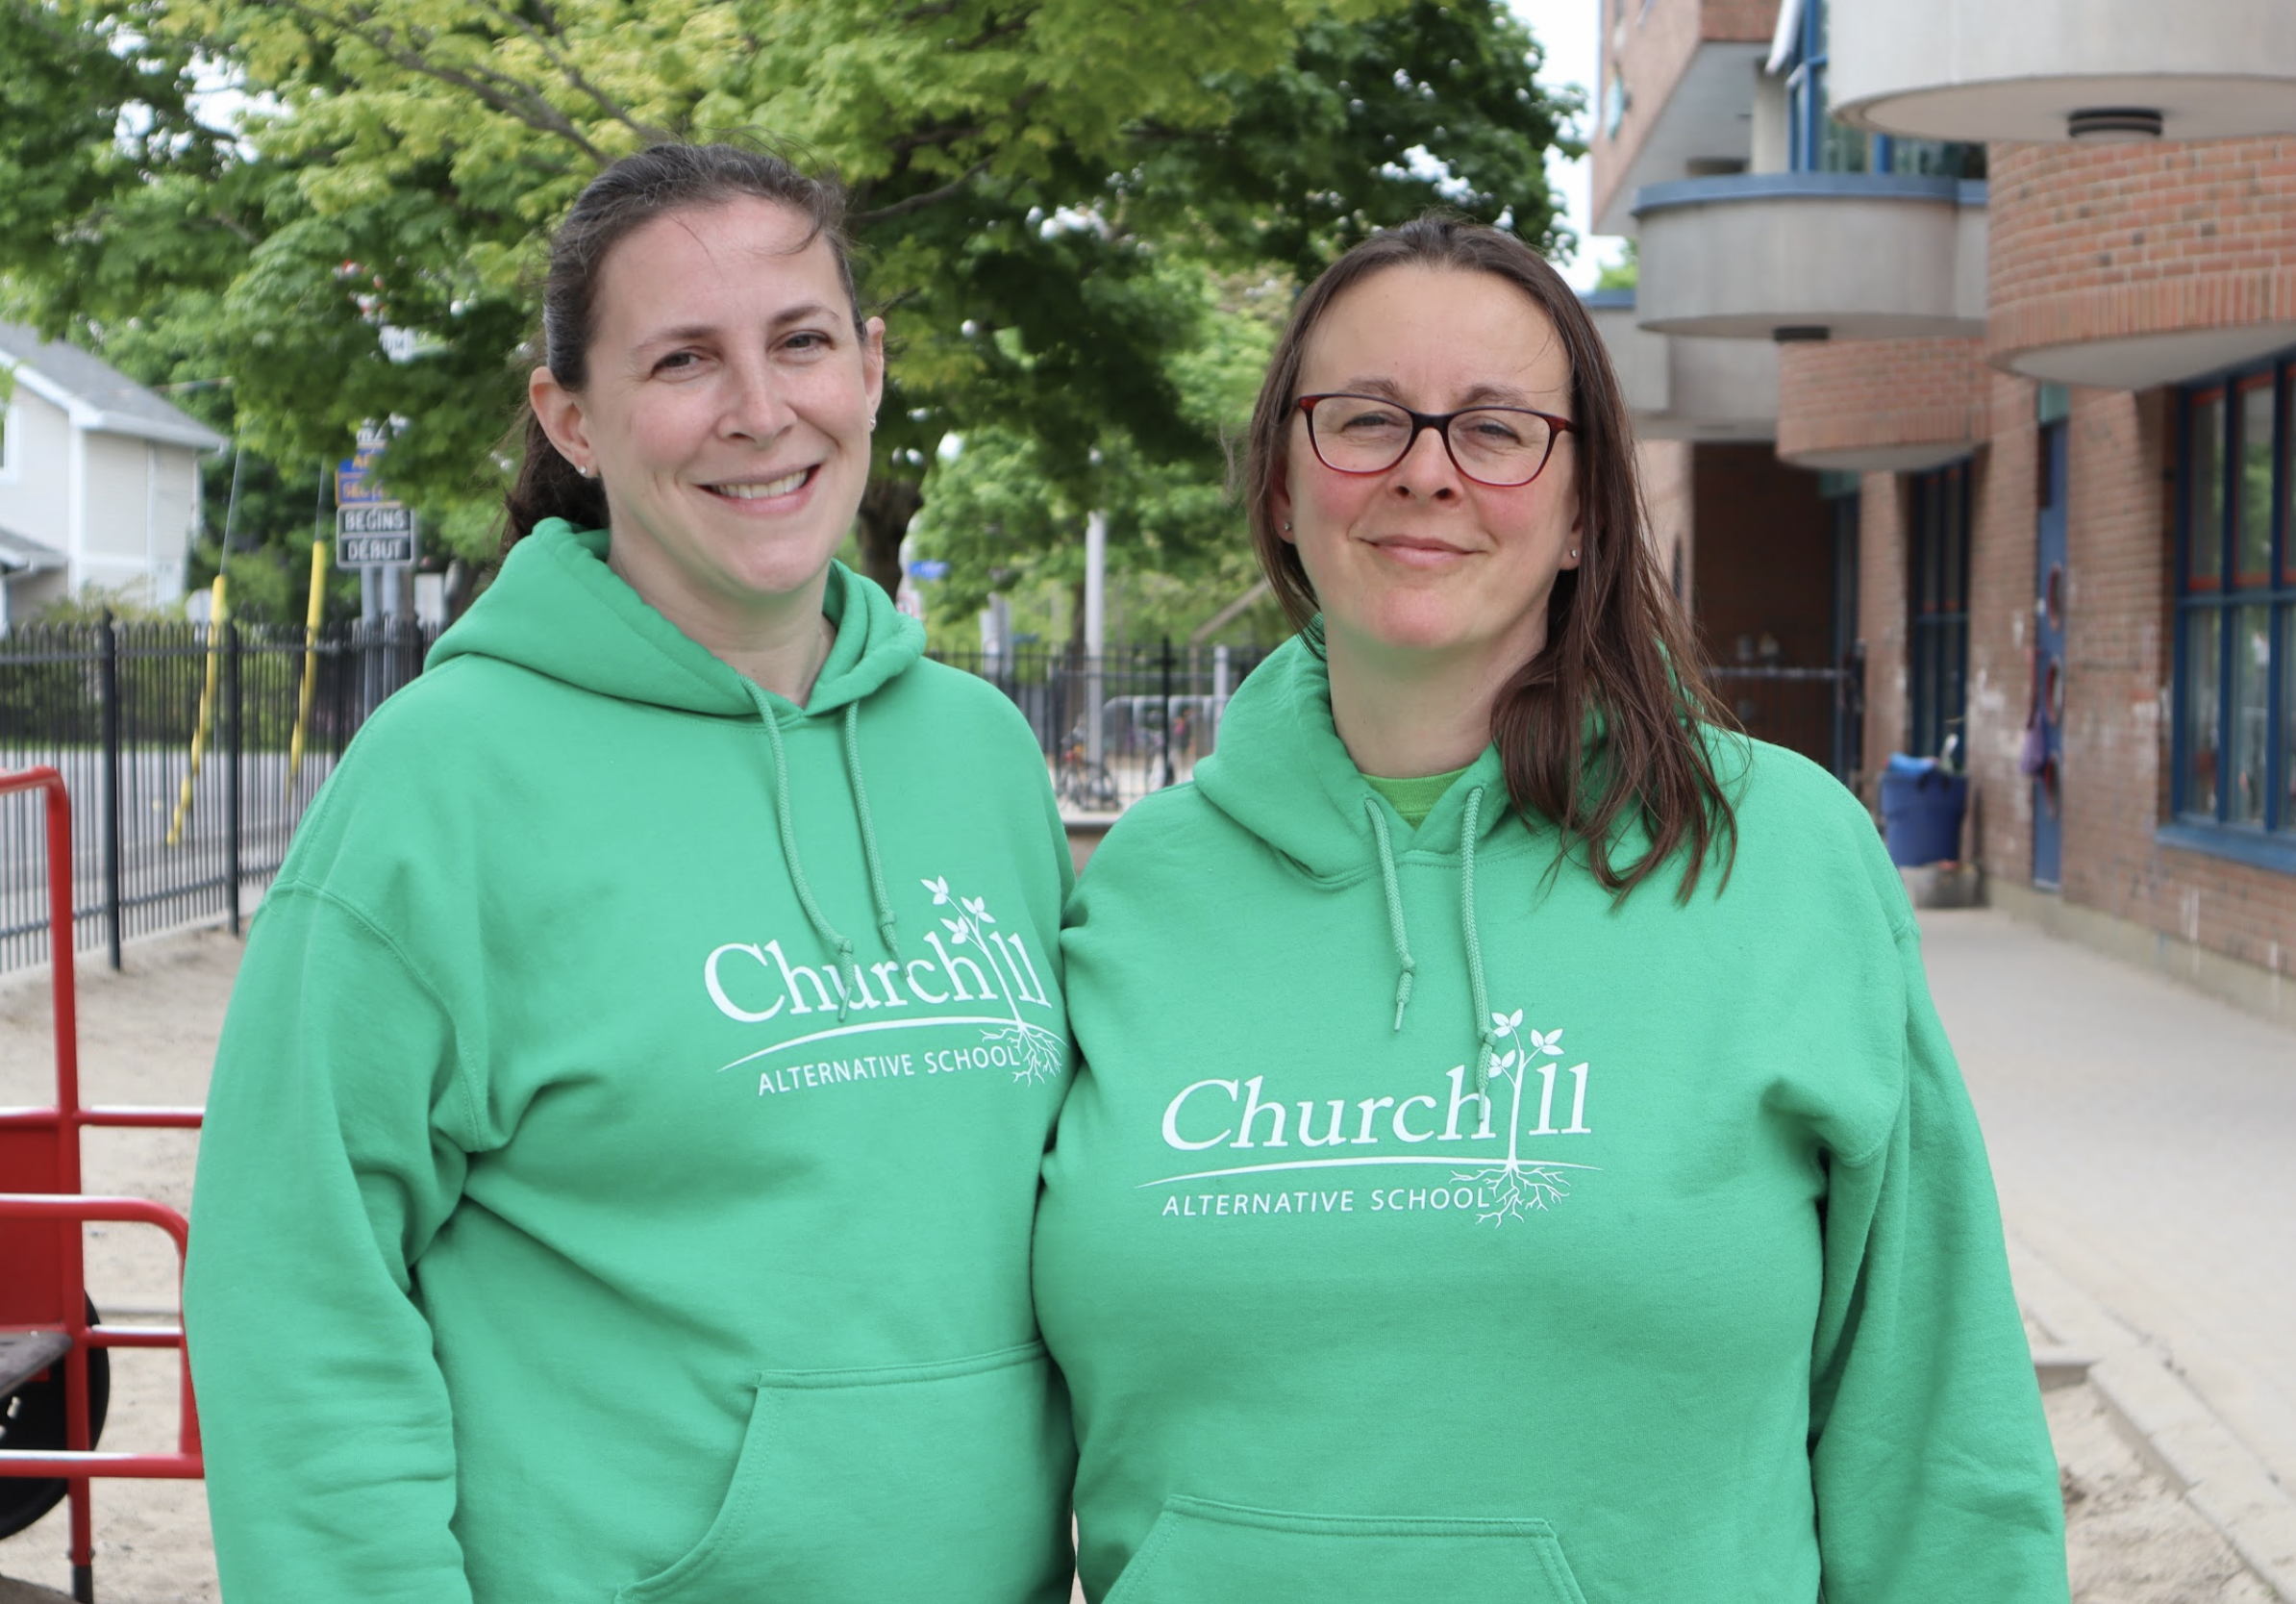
x=1845, y=395
x=2119, y=601
x=2120, y=598
x=1882, y=619
x=1651, y=46
x=2125, y=241
x=2004, y=542
x=1666, y=469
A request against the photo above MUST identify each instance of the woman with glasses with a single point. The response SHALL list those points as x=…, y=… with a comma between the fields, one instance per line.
x=1515, y=1156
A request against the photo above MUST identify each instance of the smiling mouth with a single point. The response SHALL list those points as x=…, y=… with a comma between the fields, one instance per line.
x=760, y=490
x=1405, y=546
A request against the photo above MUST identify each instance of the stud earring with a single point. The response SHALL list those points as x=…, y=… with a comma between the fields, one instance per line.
x=1574, y=551
x=1288, y=529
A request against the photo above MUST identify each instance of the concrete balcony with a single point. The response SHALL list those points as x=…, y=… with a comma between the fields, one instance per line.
x=2030, y=69
x=1700, y=122
x=1682, y=388
x=1813, y=256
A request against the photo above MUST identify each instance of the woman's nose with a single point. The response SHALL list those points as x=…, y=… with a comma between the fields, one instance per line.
x=1427, y=468
x=755, y=406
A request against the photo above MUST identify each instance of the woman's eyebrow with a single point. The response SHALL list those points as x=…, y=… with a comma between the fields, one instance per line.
x=799, y=314
x=685, y=332
x=678, y=336
x=1475, y=396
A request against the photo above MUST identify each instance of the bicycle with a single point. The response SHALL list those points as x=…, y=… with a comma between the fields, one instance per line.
x=1082, y=782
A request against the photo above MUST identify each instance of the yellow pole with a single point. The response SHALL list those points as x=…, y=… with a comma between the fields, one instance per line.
x=311, y=659
x=216, y=614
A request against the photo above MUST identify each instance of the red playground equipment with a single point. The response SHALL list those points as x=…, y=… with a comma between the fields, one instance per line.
x=55, y=1370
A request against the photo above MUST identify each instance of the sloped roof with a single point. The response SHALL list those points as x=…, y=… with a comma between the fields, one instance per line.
x=21, y=555
x=97, y=395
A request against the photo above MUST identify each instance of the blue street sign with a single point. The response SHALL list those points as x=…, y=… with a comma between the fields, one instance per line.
x=928, y=567
x=355, y=483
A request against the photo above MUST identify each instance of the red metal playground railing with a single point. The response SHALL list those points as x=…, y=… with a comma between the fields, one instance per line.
x=54, y=1347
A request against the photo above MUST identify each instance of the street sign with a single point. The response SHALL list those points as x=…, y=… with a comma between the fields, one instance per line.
x=376, y=535
x=355, y=480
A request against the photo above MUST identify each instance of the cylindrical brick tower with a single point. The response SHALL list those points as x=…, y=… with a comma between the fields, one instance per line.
x=2131, y=265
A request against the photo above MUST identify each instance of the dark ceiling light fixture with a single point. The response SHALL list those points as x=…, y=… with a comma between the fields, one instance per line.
x=1800, y=334
x=2114, y=125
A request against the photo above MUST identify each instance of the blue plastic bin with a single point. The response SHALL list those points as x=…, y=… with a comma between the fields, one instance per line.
x=1921, y=811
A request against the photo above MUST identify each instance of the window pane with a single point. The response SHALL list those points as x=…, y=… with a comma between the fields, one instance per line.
x=2287, y=718
x=2200, y=626
x=2203, y=492
x=1956, y=541
x=2254, y=561
x=2287, y=545
x=2251, y=670
x=1952, y=692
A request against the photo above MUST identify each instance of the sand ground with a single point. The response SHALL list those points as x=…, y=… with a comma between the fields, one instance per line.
x=147, y=1036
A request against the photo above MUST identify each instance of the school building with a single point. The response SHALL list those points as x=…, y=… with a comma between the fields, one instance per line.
x=1961, y=354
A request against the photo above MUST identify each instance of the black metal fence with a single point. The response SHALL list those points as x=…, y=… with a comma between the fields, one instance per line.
x=159, y=838
x=120, y=708
x=1114, y=727
x=1159, y=709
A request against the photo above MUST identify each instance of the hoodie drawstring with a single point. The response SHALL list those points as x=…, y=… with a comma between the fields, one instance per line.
x=829, y=933
x=1404, y=968
x=1483, y=1029
x=868, y=831
x=1485, y=1036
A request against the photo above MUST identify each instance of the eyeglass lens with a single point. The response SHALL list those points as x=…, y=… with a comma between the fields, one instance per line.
x=1498, y=446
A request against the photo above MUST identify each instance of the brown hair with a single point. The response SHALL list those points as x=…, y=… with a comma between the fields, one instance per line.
x=622, y=199
x=1618, y=643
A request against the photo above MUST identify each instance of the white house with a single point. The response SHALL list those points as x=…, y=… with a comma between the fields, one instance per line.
x=99, y=479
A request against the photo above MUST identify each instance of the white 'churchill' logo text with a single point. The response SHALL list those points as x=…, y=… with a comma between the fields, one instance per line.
x=1236, y=1115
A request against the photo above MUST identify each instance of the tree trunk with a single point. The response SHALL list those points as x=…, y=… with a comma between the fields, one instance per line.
x=886, y=509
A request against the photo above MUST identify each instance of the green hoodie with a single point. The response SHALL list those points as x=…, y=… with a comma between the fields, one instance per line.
x=575, y=1220
x=1702, y=1299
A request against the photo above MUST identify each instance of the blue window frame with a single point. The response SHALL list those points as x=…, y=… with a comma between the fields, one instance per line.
x=2232, y=785
x=1937, y=608
x=1817, y=143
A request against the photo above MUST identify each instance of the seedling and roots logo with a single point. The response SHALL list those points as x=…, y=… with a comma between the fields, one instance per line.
x=1516, y=1186
x=1039, y=1052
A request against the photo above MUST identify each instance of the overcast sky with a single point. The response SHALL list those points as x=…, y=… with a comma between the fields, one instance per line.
x=1566, y=30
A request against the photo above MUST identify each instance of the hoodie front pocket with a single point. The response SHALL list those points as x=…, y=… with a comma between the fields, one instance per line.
x=945, y=1481
x=1200, y=1552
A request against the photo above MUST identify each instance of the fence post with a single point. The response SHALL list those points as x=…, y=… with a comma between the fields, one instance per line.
x=111, y=800
x=230, y=773
x=1164, y=662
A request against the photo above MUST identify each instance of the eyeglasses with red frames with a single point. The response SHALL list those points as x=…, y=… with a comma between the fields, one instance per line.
x=1500, y=446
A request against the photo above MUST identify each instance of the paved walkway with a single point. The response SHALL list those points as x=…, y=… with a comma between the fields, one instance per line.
x=2143, y=1136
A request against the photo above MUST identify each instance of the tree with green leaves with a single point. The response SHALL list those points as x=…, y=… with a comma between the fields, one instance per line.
x=352, y=231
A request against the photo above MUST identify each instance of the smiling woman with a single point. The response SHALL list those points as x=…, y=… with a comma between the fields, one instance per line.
x=725, y=397
x=1483, y=1222
x=645, y=1201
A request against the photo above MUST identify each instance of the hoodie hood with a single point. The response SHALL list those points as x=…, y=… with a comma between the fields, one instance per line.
x=555, y=608
x=1281, y=772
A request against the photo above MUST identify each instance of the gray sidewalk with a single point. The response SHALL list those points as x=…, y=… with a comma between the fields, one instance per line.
x=2143, y=1137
